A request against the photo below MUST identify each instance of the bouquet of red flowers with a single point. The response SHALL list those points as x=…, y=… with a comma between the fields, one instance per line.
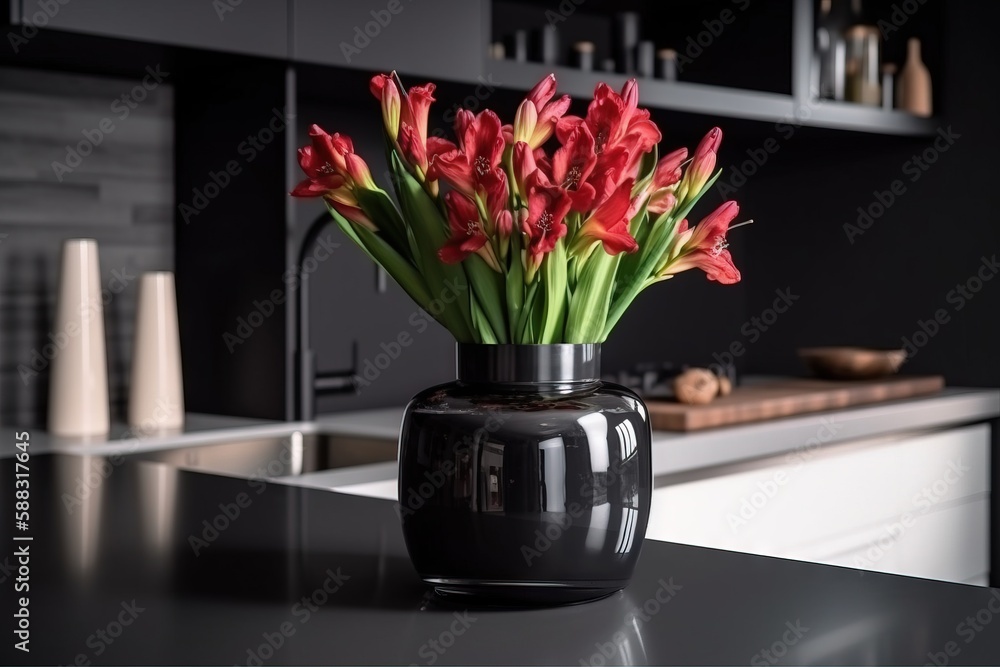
x=540, y=247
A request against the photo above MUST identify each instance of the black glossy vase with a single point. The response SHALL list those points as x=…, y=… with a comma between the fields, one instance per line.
x=528, y=480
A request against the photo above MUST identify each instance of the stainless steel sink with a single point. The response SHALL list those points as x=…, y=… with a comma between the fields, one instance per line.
x=283, y=456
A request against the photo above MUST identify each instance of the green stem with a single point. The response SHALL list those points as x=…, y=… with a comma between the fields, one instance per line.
x=529, y=304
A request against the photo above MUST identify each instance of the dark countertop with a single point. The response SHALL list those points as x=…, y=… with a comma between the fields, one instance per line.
x=114, y=579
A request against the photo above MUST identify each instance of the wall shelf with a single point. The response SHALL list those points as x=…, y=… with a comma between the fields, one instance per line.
x=719, y=101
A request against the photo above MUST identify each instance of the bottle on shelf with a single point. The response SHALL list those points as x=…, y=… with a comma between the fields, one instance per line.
x=517, y=46
x=626, y=40
x=827, y=76
x=914, y=84
x=546, y=45
x=645, y=60
x=863, y=51
x=823, y=53
x=667, y=64
x=583, y=56
x=888, y=78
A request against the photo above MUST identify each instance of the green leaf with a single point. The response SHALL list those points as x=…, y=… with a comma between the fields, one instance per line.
x=488, y=291
x=482, y=324
x=554, y=276
x=381, y=209
x=514, y=286
x=588, y=310
x=689, y=204
x=523, y=325
x=533, y=331
x=428, y=235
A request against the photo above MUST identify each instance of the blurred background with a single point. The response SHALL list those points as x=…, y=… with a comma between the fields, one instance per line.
x=239, y=84
x=859, y=135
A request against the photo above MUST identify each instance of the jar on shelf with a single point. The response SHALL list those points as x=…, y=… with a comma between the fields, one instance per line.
x=862, y=71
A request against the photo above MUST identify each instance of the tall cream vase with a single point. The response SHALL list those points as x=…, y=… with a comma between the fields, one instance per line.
x=156, y=396
x=78, y=384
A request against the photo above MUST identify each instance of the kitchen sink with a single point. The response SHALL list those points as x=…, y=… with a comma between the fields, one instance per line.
x=277, y=456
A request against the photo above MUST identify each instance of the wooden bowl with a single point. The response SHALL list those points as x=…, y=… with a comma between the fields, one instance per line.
x=851, y=363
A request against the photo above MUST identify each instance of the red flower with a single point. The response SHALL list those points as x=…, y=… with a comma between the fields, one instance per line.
x=479, y=155
x=544, y=224
x=333, y=171
x=616, y=123
x=388, y=94
x=323, y=162
x=411, y=108
x=330, y=163
x=411, y=147
x=415, y=105
x=702, y=164
x=609, y=223
x=572, y=165
x=463, y=119
x=358, y=172
x=537, y=115
x=467, y=235
x=668, y=174
x=661, y=201
x=612, y=117
x=668, y=169
x=378, y=82
x=417, y=108
x=545, y=126
x=604, y=119
x=494, y=192
x=622, y=133
x=705, y=247
x=542, y=91
x=524, y=166
x=641, y=135
x=318, y=180
x=609, y=173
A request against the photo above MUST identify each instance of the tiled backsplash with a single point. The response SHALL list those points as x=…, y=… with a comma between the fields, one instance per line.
x=80, y=156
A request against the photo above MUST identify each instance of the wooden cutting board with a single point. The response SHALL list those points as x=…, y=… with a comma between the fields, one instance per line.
x=784, y=398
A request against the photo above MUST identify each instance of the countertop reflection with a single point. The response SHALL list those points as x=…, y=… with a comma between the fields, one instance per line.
x=139, y=563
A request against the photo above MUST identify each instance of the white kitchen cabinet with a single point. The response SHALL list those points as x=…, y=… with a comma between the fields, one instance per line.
x=951, y=544
x=914, y=504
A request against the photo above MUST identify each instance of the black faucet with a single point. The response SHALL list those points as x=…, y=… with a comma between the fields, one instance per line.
x=310, y=383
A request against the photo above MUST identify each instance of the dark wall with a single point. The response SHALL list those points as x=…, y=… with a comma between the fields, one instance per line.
x=876, y=286
x=232, y=156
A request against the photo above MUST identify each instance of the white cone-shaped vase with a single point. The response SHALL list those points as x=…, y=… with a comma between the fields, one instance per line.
x=78, y=384
x=156, y=392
